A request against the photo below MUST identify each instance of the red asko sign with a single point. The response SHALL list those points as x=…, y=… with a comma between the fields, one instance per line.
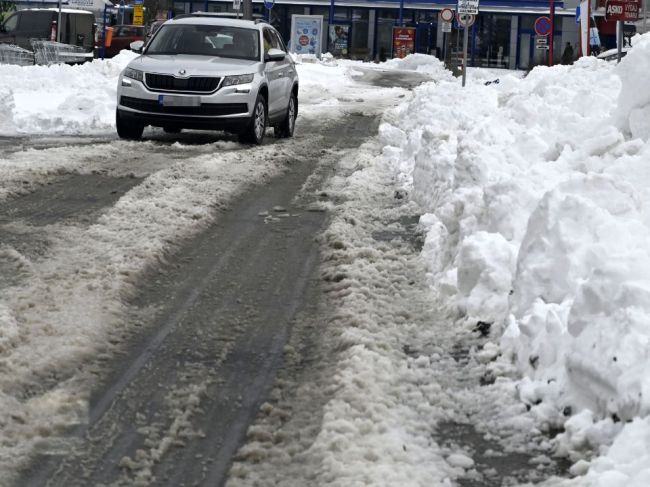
x=624, y=10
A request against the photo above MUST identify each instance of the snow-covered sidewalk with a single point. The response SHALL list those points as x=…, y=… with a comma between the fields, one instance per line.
x=536, y=193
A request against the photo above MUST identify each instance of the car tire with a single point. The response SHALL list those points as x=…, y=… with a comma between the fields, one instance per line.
x=126, y=129
x=254, y=131
x=286, y=127
x=172, y=130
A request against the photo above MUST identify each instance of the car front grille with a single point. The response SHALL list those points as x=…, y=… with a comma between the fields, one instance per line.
x=205, y=109
x=193, y=84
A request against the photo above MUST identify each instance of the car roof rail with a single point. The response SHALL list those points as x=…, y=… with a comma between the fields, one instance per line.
x=222, y=15
x=218, y=15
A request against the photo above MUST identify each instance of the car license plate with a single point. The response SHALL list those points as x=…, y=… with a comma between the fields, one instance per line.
x=179, y=101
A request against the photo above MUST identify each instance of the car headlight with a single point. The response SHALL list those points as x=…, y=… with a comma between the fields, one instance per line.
x=237, y=80
x=133, y=74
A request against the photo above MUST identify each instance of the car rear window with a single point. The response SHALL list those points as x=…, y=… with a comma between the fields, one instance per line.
x=128, y=31
x=35, y=21
x=206, y=40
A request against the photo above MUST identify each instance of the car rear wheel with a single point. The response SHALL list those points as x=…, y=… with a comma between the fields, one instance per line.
x=127, y=129
x=254, y=131
x=287, y=126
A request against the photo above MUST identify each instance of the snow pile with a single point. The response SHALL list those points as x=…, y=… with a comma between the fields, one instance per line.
x=420, y=63
x=60, y=98
x=634, y=103
x=539, y=223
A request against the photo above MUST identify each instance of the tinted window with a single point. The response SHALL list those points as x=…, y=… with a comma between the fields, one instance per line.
x=206, y=40
x=268, y=40
x=280, y=42
x=36, y=21
x=11, y=23
x=128, y=31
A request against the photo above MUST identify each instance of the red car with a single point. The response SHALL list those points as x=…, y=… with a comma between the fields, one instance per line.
x=123, y=36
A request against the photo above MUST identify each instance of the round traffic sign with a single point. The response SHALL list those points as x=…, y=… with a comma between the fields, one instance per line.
x=447, y=14
x=269, y=4
x=543, y=26
x=465, y=20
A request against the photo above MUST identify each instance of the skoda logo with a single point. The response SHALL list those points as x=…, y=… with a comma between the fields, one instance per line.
x=181, y=72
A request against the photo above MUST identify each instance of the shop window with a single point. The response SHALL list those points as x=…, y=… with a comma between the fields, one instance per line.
x=359, y=48
x=386, y=20
x=341, y=14
x=492, y=41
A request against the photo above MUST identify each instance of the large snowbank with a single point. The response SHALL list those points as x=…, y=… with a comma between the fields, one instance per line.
x=60, y=98
x=538, y=221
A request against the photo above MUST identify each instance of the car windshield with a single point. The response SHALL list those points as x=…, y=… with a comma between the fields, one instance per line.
x=206, y=40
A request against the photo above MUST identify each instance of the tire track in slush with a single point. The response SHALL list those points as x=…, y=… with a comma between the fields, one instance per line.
x=175, y=407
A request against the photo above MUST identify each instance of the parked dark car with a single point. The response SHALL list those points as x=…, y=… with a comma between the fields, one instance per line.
x=123, y=36
x=77, y=27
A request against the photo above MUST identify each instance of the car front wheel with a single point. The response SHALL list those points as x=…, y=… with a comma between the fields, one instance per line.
x=287, y=126
x=126, y=129
x=254, y=131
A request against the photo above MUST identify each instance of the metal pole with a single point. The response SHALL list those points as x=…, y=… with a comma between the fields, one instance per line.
x=205, y=6
x=102, y=50
x=331, y=20
x=465, y=42
x=550, y=47
x=248, y=9
x=444, y=48
x=58, y=25
x=401, y=13
x=619, y=40
x=589, y=28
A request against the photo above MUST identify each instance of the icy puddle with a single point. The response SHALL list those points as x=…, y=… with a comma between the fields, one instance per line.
x=493, y=465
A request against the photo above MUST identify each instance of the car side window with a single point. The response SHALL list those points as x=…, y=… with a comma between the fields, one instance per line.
x=12, y=23
x=279, y=43
x=268, y=40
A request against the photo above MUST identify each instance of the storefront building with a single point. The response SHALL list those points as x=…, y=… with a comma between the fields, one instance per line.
x=503, y=35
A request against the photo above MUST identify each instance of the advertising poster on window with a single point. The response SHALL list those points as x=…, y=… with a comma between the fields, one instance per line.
x=338, y=39
x=403, y=41
x=306, y=34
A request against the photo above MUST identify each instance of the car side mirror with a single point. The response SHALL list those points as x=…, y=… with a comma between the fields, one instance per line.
x=137, y=46
x=275, y=55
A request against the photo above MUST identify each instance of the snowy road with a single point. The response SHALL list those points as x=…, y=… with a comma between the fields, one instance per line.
x=216, y=317
x=163, y=279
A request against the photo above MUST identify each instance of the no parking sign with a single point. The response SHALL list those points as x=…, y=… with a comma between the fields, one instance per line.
x=543, y=26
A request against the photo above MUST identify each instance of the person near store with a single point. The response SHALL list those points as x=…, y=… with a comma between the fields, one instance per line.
x=567, y=54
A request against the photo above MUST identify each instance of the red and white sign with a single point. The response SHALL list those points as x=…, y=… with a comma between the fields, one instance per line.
x=403, y=41
x=465, y=20
x=625, y=10
x=447, y=15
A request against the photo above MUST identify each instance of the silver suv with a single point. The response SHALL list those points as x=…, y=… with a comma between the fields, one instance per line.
x=202, y=71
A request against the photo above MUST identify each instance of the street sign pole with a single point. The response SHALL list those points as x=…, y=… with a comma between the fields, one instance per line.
x=619, y=40
x=467, y=11
x=465, y=42
x=58, y=25
x=550, y=47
